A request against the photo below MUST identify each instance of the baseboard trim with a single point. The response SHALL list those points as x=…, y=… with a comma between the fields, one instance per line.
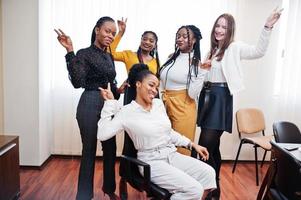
x=244, y=161
x=61, y=157
x=37, y=167
x=101, y=158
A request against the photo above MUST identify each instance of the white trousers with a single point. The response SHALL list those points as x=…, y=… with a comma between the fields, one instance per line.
x=183, y=176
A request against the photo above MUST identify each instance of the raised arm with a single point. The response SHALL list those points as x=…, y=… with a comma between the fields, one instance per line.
x=64, y=40
x=257, y=51
x=76, y=64
x=118, y=56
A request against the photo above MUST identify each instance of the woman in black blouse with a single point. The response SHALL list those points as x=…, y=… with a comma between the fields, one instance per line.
x=90, y=69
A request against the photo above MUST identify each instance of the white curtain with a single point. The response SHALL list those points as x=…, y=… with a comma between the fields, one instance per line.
x=281, y=96
x=287, y=90
x=77, y=18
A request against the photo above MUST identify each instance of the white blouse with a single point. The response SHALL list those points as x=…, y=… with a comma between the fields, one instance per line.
x=147, y=129
x=216, y=75
x=177, y=76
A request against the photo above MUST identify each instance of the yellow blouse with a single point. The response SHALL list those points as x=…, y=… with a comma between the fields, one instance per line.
x=128, y=57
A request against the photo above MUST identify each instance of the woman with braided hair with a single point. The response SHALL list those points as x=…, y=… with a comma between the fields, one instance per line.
x=91, y=68
x=181, y=81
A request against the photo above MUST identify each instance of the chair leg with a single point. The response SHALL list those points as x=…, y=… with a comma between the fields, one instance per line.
x=265, y=153
x=234, y=166
x=256, y=168
x=123, y=189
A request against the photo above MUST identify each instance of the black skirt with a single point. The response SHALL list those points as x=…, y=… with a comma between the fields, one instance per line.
x=217, y=113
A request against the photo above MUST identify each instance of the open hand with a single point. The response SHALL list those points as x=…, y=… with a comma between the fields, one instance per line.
x=64, y=39
x=206, y=64
x=204, y=154
x=273, y=18
x=106, y=93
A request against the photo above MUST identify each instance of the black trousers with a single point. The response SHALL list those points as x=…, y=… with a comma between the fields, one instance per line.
x=88, y=115
x=210, y=139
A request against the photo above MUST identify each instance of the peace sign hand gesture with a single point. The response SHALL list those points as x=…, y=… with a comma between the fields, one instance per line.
x=106, y=93
x=273, y=18
x=122, y=25
x=64, y=40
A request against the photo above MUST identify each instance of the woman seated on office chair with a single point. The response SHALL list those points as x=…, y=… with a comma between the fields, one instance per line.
x=146, y=122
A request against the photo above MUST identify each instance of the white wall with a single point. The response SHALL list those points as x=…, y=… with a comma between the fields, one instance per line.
x=45, y=100
x=21, y=79
x=1, y=75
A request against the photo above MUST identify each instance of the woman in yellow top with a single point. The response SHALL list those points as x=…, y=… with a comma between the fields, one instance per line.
x=147, y=52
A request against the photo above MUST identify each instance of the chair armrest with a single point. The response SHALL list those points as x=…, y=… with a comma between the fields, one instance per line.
x=146, y=169
x=135, y=160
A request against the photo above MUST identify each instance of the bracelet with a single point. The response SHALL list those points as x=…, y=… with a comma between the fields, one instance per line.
x=267, y=27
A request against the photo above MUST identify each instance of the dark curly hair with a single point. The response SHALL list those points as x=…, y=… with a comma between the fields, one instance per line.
x=137, y=73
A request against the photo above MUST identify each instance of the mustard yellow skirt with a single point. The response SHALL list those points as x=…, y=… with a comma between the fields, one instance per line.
x=181, y=110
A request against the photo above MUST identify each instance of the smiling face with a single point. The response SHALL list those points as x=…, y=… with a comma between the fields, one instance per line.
x=147, y=89
x=148, y=42
x=220, y=30
x=105, y=34
x=183, y=41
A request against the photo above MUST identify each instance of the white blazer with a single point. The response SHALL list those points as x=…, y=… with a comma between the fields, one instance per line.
x=237, y=51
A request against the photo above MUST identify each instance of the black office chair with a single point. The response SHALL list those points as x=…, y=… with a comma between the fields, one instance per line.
x=130, y=174
x=286, y=183
x=286, y=132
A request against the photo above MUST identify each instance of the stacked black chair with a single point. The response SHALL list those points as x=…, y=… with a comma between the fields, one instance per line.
x=286, y=132
x=286, y=181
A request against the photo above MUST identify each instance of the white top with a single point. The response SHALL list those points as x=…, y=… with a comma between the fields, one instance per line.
x=237, y=51
x=147, y=129
x=177, y=76
x=216, y=74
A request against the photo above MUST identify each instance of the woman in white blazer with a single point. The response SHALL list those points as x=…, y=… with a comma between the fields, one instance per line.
x=147, y=124
x=223, y=80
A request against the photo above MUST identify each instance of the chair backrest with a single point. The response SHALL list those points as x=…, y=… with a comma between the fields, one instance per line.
x=286, y=132
x=250, y=120
x=288, y=172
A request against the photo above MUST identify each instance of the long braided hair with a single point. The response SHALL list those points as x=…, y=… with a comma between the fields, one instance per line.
x=193, y=62
x=153, y=53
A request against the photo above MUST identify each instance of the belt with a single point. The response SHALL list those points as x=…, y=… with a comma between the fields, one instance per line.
x=215, y=84
x=158, y=148
x=207, y=85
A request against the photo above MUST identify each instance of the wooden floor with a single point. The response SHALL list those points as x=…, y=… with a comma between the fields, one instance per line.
x=58, y=181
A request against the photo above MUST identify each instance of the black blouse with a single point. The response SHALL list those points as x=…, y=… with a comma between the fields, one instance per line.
x=91, y=68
